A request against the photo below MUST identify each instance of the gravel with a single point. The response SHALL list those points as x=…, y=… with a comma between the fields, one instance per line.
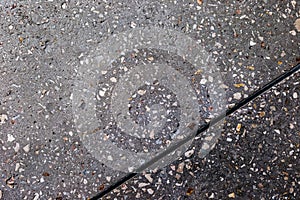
x=42, y=46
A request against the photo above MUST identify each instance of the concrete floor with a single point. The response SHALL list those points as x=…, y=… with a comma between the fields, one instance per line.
x=43, y=45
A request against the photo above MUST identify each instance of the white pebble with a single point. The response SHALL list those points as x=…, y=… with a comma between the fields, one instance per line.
x=101, y=93
x=108, y=178
x=64, y=6
x=237, y=95
x=17, y=147
x=142, y=185
x=293, y=32
x=252, y=43
x=85, y=181
x=3, y=118
x=36, y=197
x=132, y=25
x=149, y=178
x=26, y=148
x=10, y=138
x=150, y=191
x=189, y=153
x=110, y=158
x=17, y=166
x=71, y=133
x=203, y=81
x=295, y=95
x=113, y=79
x=141, y=92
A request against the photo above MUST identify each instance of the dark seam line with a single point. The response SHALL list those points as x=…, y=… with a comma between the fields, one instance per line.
x=202, y=128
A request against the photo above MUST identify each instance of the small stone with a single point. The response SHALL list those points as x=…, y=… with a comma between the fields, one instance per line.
x=132, y=25
x=229, y=139
x=21, y=39
x=293, y=32
x=10, y=138
x=17, y=166
x=173, y=167
x=110, y=158
x=64, y=6
x=42, y=180
x=277, y=131
x=149, y=178
x=46, y=174
x=231, y=195
x=273, y=108
x=238, y=127
x=85, y=181
x=113, y=79
x=150, y=191
x=212, y=196
x=238, y=85
x=252, y=43
x=142, y=185
x=108, y=178
x=26, y=148
x=199, y=71
x=262, y=114
x=141, y=92
x=180, y=167
x=10, y=182
x=189, y=153
x=101, y=187
x=138, y=195
x=1, y=194
x=189, y=192
x=101, y=93
x=151, y=58
x=17, y=147
x=151, y=134
x=237, y=95
x=295, y=95
x=250, y=68
x=3, y=118
x=36, y=196
x=200, y=2
x=297, y=24
x=203, y=81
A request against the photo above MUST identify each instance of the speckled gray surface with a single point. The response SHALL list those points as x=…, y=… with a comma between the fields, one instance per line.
x=42, y=44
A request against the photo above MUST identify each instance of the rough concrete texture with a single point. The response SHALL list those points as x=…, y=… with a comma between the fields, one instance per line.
x=41, y=46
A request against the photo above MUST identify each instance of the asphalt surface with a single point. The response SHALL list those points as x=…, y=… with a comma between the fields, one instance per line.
x=43, y=45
